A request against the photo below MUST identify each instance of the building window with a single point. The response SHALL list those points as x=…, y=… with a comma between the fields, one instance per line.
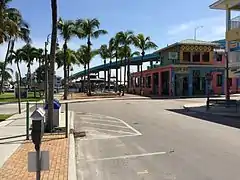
x=148, y=83
x=205, y=57
x=219, y=57
x=230, y=82
x=219, y=80
x=196, y=57
x=186, y=56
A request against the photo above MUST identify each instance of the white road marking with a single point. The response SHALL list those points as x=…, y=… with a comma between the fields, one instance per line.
x=130, y=127
x=142, y=172
x=110, y=137
x=101, y=129
x=100, y=120
x=102, y=124
x=126, y=156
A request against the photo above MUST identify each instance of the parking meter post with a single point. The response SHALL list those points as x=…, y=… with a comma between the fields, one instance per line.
x=27, y=121
x=38, y=162
x=66, y=119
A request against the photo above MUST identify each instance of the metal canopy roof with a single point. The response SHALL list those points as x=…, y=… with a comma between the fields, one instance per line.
x=226, y=4
x=114, y=65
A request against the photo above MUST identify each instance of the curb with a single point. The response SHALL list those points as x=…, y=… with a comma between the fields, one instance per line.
x=72, y=172
x=103, y=99
x=216, y=114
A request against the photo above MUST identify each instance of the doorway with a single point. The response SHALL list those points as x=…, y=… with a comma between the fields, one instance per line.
x=155, y=83
x=165, y=82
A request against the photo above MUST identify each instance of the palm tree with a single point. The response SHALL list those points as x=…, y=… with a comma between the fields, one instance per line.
x=89, y=28
x=67, y=31
x=83, y=55
x=121, y=56
x=16, y=57
x=7, y=72
x=52, y=65
x=111, y=48
x=116, y=47
x=103, y=52
x=143, y=43
x=126, y=39
x=71, y=59
x=40, y=57
x=12, y=27
x=28, y=54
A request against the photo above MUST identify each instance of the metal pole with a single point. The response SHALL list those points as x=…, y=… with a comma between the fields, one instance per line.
x=195, y=33
x=228, y=18
x=66, y=119
x=38, y=163
x=27, y=121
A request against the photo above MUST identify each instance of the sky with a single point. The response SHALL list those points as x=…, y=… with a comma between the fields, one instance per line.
x=166, y=22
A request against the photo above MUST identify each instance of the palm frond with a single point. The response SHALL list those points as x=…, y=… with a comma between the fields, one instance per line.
x=98, y=33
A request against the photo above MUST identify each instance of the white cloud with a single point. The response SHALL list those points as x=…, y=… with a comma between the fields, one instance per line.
x=213, y=29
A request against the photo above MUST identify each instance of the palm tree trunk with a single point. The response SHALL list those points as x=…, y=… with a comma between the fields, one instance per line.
x=19, y=74
x=104, y=74
x=52, y=65
x=89, y=82
x=4, y=66
x=116, y=89
x=128, y=74
x=141, y=75
x=84, y=78
x=124, y=78
x=121, y=72
x=109, y=75
x=65, y=72
x=89, y=59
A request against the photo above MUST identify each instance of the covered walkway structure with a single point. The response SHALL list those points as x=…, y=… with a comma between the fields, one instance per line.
x=116, y=65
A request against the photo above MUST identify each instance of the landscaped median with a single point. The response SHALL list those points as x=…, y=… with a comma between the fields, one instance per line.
x=9, y=97
x=3, y=117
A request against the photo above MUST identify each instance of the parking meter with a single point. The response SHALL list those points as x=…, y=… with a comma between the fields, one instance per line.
x=37, y=127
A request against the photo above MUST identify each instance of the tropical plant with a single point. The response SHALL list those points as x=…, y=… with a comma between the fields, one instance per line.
x=40, y=57
x=28, y=54
x=8, y=72
x=12, y=27
x=103, y=52
x=111, y=48
x=67, y=31
x=143, y=43
x=16, y=57
x=83, y=56
x=116, y=47
x=89, y=28
x=126, y=39
x=71, y=59
x=52, y=65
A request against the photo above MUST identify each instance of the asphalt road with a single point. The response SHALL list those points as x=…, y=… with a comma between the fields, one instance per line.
x=153, y=140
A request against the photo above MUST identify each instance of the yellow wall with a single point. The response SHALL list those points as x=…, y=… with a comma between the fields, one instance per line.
x=233, y=35
x=197, y=48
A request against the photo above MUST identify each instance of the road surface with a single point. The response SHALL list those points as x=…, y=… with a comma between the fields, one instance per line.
x=153, y=140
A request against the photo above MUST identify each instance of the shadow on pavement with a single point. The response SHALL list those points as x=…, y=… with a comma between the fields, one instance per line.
x=227, y=121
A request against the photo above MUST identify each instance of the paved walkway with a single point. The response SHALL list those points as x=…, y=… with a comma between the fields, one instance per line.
x=15, y=167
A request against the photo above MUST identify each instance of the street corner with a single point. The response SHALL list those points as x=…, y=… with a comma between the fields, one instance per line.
x=98, y=126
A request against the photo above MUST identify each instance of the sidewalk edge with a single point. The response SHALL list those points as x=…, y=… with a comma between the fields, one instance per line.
x=72, y=173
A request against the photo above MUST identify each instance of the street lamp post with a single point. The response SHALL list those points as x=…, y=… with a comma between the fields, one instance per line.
x=195, y=31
